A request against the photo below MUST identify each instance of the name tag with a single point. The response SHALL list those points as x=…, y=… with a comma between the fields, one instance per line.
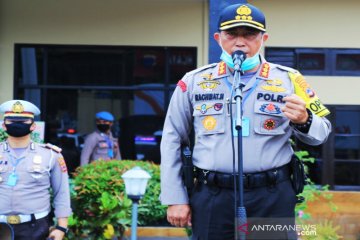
x=245, y=127
x=12, y=180
x=110, y=153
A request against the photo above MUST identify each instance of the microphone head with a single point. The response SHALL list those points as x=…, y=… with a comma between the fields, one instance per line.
x=238, y=55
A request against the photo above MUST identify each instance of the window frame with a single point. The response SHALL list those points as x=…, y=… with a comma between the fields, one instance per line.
x=330, y=59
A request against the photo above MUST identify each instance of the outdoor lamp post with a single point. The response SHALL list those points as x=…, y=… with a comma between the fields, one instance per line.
x=135, y=185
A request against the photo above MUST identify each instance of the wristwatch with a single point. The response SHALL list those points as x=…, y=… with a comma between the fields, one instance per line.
x=64, y=230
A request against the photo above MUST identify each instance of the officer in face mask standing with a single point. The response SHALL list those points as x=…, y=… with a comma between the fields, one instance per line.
x=277, y=103
x=27, y=171
x=101, y=144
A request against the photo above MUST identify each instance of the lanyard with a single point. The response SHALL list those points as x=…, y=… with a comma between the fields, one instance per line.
x=110, y=145
x=253, y=87
x=15, y=161
x=108, y=141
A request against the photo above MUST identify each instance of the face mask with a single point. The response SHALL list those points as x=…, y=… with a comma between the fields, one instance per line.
x=248, y=64
x=18, y=129
x=103, y=127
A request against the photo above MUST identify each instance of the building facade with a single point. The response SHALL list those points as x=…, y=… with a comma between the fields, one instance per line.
x=74, y=58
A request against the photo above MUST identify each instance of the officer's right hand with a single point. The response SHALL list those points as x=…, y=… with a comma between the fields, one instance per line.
x=179, y=215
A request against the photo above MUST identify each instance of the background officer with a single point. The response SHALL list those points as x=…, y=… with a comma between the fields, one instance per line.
x=101, y=144
x=27, y=171
x=276, y=104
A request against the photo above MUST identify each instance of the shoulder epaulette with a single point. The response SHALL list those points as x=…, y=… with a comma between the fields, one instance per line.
x=212, y=65
x=52, y=147
x=288, y=69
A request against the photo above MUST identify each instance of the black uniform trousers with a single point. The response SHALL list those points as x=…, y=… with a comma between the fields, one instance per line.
x=36, y=229
x=213, y=216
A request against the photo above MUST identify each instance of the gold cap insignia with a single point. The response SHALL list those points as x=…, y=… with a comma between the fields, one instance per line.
x=244, y=13
x=17, y=107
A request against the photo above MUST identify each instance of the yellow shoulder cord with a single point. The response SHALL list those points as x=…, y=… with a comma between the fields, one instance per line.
x=303, y=90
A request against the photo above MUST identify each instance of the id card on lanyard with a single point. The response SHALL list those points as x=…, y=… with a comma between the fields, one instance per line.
x=13, y=177
x=245, y=121
x=110, y=144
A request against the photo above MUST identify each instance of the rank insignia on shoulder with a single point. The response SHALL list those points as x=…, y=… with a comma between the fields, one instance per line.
x=62, y=164
x=182, y=85
x=222, y=68
x=265, y=69
x=53, y=147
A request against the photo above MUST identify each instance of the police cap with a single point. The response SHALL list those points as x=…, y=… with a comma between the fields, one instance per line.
x=105, y=116
x=238, y=15
x=19, y=109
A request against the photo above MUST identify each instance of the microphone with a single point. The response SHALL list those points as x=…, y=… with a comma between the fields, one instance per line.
x=238, y=58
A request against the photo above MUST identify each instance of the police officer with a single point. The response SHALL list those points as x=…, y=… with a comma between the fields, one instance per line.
x=277, y=102
x=101, y=144
x=28, y=170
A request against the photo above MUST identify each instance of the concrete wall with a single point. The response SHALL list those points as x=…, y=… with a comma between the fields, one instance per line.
x=291, y=23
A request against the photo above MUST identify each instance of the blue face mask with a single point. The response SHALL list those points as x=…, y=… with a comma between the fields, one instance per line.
x=248, y=64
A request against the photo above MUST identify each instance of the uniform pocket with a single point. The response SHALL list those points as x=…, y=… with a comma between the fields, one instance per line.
x=269, y=125
x=268, y=117
x=102, y=147
x=209, y=118
x=38, y=174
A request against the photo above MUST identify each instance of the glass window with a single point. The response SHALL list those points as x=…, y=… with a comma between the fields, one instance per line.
x=348, y=62
x=347, y=174
x=317, y=61
x=71, y=83
x=311, y=61
x=337, y=161
x=102, y=65
x=347, y=134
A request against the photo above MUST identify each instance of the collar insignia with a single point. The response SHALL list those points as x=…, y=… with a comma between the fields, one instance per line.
x=222, y=68
x=265, y=69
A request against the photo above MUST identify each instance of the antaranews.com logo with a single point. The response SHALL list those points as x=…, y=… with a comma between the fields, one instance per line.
x=273, y=228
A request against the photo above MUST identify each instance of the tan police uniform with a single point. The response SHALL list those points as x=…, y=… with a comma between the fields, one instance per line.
x=99, y=145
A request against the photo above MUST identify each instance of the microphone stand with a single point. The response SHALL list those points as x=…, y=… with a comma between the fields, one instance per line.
x=240, y=222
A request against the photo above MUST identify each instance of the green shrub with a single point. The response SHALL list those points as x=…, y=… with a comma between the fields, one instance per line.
x=101, y=208
x=311, y=191
x=3, y=135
